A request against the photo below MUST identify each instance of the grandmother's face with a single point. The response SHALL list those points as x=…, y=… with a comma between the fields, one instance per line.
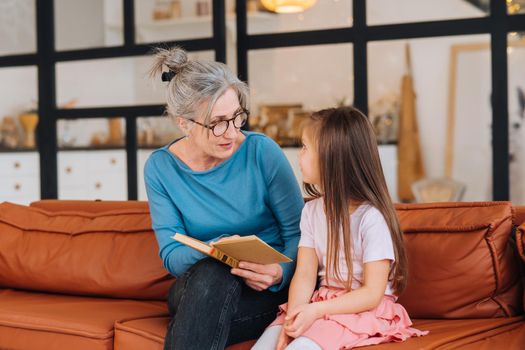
x=223, y=146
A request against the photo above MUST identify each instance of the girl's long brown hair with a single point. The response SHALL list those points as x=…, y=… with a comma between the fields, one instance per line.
x=351, y=173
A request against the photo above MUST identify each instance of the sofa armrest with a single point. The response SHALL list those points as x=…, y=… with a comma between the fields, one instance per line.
x=520, y=240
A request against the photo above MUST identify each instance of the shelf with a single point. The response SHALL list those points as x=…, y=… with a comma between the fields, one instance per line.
x=17, y=150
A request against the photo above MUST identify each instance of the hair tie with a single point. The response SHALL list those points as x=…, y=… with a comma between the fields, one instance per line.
x=167, y=76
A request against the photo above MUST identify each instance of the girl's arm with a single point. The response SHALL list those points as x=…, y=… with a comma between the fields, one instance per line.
x=304, y=279
x=365, y=298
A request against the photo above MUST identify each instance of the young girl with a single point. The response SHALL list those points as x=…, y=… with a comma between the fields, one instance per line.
x=350, y=240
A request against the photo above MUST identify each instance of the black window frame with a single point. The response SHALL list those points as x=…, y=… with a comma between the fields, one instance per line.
x=497, y=24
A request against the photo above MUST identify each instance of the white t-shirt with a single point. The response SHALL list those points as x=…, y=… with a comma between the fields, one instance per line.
x=371, y=241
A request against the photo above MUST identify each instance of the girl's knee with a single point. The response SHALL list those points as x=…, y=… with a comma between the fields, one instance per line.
x=303, y=343
x=268, y=340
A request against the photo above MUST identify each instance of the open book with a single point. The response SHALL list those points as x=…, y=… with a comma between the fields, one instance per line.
x=231, y=251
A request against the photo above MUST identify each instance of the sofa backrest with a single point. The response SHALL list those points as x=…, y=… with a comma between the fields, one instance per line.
x=96, y=206
x=519, y=215
x=81, y=248
x=520, y=241
x=462, y=263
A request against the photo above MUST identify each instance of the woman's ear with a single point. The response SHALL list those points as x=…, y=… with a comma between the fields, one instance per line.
x=183, y=125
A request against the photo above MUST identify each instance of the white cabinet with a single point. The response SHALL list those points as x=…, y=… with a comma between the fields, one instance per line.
x=93, y=174
x=142, y=156
x=19, y=177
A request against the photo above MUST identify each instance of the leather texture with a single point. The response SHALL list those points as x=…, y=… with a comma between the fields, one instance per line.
x=79, y=275
x=492, y=333
x=462, y=263
x=112, y=253
x=30, y=320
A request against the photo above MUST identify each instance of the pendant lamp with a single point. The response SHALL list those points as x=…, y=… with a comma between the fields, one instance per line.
x=287, y=6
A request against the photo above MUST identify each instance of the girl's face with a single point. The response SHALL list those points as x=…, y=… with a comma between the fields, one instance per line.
x=309, y=159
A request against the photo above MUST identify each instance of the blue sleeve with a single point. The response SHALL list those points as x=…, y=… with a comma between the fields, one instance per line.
x=286, y=202
x=166, y=221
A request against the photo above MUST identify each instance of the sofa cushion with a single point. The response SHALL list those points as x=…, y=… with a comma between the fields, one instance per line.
x=520, y=245
x=520, y=241
x=461, y=261
x=148, y=333
x=112, y=253
x=46, y=321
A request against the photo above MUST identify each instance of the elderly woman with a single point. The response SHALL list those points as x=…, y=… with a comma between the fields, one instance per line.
x=216, y=182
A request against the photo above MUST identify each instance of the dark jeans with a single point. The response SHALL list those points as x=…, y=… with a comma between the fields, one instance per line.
x=211, y=308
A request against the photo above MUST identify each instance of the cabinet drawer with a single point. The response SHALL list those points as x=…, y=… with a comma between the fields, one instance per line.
x=76, y=193
x=72, y=169
x=19, y=200
x=108, y=187
x=20, y=186
x=104, y=162
x=19, y=163
x=142, y=157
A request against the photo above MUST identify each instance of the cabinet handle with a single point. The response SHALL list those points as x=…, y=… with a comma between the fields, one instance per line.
x=69, y=170
x=16, y=165
x=113, y=161
x=98, y=185
x=18, y=186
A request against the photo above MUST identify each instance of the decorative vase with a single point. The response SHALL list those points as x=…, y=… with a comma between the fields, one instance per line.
x=29, y=121
x=115, y=132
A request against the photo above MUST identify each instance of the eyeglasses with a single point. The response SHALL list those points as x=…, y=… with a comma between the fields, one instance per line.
x=220, y=128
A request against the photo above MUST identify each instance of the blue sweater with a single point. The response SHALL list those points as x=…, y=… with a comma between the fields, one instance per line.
x=252, y=192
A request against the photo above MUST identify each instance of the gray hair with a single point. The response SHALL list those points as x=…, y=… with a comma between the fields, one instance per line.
x=195, y=82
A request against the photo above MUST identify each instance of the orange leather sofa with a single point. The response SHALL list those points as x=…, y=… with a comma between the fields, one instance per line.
x=86, y=275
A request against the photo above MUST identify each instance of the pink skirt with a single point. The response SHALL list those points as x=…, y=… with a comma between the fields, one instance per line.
x=388, y=322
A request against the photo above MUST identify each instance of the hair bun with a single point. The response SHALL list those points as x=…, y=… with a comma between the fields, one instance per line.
x=175, y=59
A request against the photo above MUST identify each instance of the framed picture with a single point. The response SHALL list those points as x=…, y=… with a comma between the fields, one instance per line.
x=468, y=148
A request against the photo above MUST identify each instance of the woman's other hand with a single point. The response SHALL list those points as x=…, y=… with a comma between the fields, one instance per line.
x=257, y=276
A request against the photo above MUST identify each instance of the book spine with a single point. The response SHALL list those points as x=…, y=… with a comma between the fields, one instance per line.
x=228, y=260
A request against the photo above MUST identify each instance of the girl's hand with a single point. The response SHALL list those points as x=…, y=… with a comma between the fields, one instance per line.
x=283, y=341
x=299, y=319
x=257, y=276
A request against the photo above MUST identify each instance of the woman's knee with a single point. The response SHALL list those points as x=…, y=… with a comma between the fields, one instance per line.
x=208, y=278
x=211, y=273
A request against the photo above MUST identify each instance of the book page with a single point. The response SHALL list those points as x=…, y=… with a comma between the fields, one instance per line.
x=251, y=249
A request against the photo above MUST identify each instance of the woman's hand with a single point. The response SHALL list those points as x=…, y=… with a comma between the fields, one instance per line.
x=283, y=341
x=298, y=320
x=257, y=276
